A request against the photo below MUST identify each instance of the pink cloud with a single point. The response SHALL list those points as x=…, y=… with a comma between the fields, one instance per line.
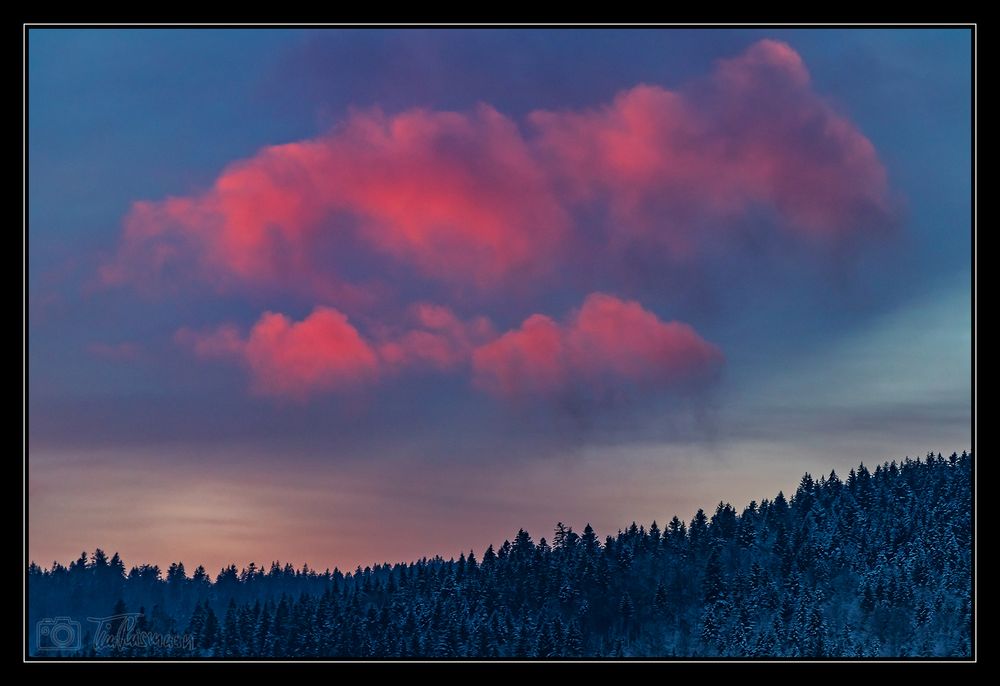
x=483, y=204
x=438, y=340
x=320, y=354
x=475, y=201
x=529, y=360
x=459, y=197
x=325, y=353
x=605, y=344
x=754, y=135
x=224, y=341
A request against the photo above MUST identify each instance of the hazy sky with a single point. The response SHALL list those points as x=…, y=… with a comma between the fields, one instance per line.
x=346, y=296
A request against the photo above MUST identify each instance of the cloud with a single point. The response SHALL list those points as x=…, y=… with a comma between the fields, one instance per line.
x=322, y=353
x=325, y=353
x=225, y=341
x=478, y=202
x=753, y=136
x=439, y=340
x=458, y=197
x=529, y=360
x=472, y=204
x=605, y=345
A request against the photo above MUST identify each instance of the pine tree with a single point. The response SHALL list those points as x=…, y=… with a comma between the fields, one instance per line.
x=231, y=637
x=626, y=609
x=210, y=632
x=660, y=598
x=573, y=642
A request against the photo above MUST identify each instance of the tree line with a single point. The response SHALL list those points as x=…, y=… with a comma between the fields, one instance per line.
x=877, y=564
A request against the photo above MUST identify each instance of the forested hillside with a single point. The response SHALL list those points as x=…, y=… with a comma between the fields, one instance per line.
x=874, y=564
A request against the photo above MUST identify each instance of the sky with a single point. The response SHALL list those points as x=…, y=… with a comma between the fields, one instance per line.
x=346, y=296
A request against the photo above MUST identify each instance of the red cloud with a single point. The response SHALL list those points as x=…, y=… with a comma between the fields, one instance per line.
x=474, y=201
x=439, y=340
x=754, y=135
x=325, y=353
x=471, y=200
x=529, y=360
x=321, y=353
x=458, y=196
x=605, y=344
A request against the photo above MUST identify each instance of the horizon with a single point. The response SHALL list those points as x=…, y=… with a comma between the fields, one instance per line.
x=348, y=570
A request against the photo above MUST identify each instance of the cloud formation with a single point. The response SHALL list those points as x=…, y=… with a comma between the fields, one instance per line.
x=325, y=353
x=754, y=135
x=438, y=340
x=605, y=345
x=459, y=197
x=474, y=199
x=321, y=353
x=475, y=203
